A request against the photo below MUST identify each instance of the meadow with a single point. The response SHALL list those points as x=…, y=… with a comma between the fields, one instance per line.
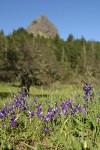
x=61, y=117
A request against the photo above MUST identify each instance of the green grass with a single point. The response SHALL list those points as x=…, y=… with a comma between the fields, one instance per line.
x=67, y=133
x=61, y=91
x=6, y=92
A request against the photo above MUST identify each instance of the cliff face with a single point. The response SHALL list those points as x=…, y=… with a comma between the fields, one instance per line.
x=43, y=27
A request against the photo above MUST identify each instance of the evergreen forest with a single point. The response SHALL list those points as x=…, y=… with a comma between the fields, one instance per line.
x=36, y=60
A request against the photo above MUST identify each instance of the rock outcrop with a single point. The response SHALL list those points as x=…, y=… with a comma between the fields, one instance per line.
x=43, y=27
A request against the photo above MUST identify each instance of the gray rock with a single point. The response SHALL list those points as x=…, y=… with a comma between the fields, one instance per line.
x=43, y=27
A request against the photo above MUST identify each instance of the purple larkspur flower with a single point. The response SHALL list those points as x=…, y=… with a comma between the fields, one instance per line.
x=4, y=125
x=81, y=109
x=85, y=95
x=84, y=110
x=1, y=115
x=49, y=114
x=15, y=99
x=31, y=113
x=23, y=93
x=91, y=96
x=12, y=108
x=73, y=111
x=5, y=109
x=19, y=104
x=13, y=121
x=69, y=103
x=64, y=108
x=87, y=88
x=35, y=99
x=46, y=130
x=39, y=111
x=23, y=108
x=56, y=110
x=78, y=107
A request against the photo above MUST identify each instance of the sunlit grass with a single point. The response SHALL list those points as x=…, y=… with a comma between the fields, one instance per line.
x=68, y=132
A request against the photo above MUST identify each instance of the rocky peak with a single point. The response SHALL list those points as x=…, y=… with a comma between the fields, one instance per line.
x=43, y=27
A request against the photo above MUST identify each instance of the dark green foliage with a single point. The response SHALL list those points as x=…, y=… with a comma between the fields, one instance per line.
x=45, y=65
x=70, y=38
x=41, y=61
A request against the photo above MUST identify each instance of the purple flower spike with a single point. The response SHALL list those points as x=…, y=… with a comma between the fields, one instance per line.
x=87, y=92
x=69, y=103
x=35, y=99
x=78, y=107
x=23, y=93
x=4, y=125
x=63, y=107
x=1, y=115
x=46, y=130
x=39, y=111
x=31, y=114
x=84, y=110
x=73, y=111
x=13, y=121
x=49, y=115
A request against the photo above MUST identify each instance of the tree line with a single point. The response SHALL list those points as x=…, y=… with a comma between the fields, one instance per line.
x=42, y=61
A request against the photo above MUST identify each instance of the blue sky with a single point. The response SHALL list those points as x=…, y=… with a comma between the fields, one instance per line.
x=78, y=17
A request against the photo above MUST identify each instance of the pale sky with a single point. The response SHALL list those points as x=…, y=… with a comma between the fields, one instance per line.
x=78, y=17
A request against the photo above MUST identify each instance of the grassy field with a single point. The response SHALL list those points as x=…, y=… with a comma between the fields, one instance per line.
x=56, y=91
x=62, y=117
